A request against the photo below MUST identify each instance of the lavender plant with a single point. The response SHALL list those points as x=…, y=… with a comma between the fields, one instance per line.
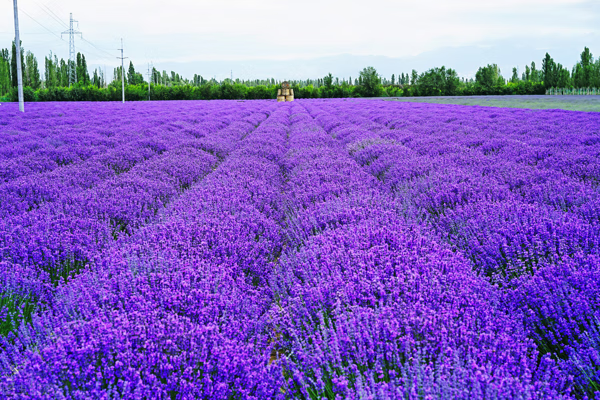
x=315, y=249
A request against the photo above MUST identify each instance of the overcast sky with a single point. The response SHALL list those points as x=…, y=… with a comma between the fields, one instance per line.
x=208, y=36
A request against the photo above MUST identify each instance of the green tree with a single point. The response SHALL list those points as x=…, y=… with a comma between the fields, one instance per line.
x=414, y=77
x=117, y=76
x=64, y=72
x=50, y=73
x=198, y=80
x=489, y=76
x=83, y=76
x=549, y=72
x=438, y=82
x=133, y=77
x=156, y=77
x=5, y=82
x=232, y=91
x=98, y=79
x=131, y=74
x=563, y=77
x=32, y=72
x=5, y=55
x=370, y=83
x=328, y=81
x=515, y=75
x=13, y=63
x=535, y=75
x=583, y=71
x=431, y=83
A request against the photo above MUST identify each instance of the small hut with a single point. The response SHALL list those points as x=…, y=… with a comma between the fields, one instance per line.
x=285, y=93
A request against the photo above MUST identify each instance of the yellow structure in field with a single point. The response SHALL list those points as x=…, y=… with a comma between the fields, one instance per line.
x=285, y=93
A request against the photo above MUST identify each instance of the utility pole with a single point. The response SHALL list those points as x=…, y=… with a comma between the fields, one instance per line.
x=232, y=77
x=122, y=70
x=19, y=71
x=72, y=56
x=149, y=78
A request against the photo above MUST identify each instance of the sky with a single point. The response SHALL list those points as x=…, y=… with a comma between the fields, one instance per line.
x=288, y=39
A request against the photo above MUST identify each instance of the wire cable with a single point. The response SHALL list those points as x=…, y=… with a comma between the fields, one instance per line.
x=108, y=56
x=97, y=48
x=93, y=53
x=56, y=17
x=51, y=14
x=40, y=24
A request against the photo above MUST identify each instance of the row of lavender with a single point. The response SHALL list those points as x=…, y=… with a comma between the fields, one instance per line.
x=54, y=136
x=370, y=305
x=176, y=309
x=54, y=223
x=516, y=192
x=317, y=261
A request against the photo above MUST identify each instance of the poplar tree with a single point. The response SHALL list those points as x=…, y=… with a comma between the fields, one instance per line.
x=32, y=72
x=83, y=76
x=515, y=75
x=13, y=63
x=549, y=71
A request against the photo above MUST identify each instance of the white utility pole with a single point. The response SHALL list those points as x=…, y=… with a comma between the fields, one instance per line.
x=149, y=78
x=19, y=71
x=72, y=55
x=122, y=70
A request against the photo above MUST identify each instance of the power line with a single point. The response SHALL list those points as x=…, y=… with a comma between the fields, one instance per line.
x=101, y=54
x=40, y=24
x=60, y=38
x=48, y=11
x=109, y=56
x=51, y=14
x=92, y=52
x=96, y=47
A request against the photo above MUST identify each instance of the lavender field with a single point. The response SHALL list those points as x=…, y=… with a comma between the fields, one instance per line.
x=357, y=249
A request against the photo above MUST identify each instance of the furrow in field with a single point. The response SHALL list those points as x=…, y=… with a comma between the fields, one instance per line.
x=54, y=243
x=193, y=281
x=339, y=249
x=517, y=197
x=458, y=186
x=33, y=190
x=32, y=146
x=364, y=299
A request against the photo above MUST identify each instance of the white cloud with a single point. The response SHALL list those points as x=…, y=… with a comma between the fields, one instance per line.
x=213, y=30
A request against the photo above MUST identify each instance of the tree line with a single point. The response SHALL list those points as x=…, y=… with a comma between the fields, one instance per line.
x=55, y=84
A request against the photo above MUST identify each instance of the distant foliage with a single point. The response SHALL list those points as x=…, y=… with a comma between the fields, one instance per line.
x=53, y=84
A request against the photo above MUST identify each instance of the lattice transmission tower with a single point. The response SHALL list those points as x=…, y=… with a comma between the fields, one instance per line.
x=72, y=54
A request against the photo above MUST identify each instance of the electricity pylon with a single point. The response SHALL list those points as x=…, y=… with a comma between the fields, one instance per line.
x=72, y=55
